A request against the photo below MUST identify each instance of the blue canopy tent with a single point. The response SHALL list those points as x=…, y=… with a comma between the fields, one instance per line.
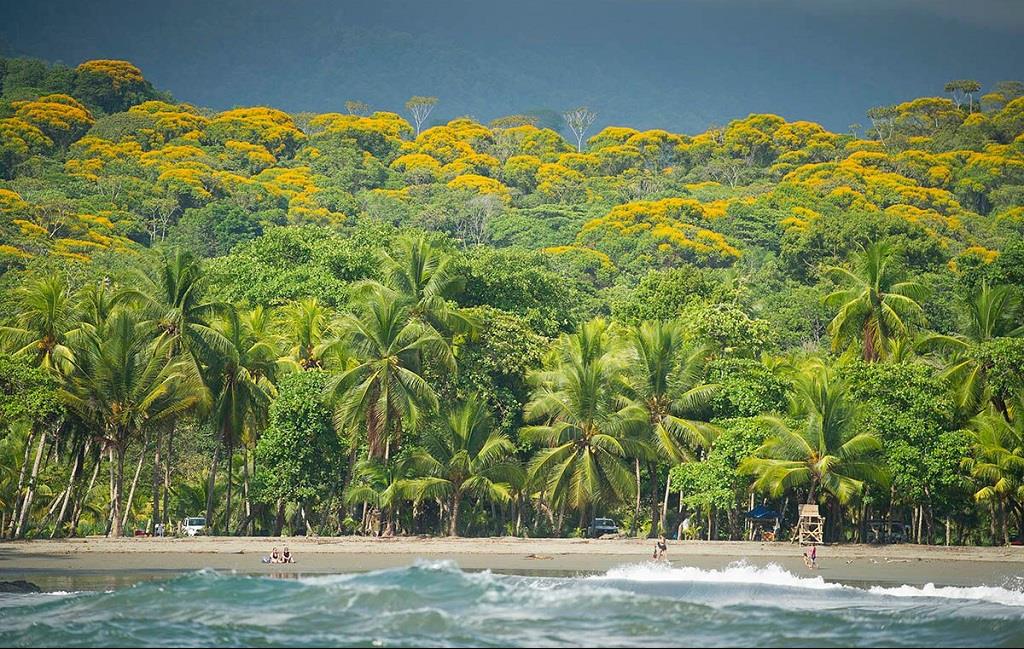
x=764, y=523
x=761, y=512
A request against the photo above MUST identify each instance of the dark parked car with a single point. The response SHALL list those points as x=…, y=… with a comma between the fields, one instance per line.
x=601, y=526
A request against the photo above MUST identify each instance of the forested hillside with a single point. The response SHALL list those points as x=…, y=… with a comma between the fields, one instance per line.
x=358, y=322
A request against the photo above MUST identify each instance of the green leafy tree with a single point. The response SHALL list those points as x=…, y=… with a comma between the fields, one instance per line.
x=299, y=452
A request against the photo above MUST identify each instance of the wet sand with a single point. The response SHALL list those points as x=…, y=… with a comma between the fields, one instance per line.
x=99, y=562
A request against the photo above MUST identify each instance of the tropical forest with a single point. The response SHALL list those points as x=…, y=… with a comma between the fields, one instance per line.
x=369, y=322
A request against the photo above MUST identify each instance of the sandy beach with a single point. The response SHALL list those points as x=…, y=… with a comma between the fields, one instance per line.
x=82, y=561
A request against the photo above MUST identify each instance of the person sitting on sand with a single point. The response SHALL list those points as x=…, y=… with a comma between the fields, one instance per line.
x=286, y=556
x=275, y=557
x=660, y=548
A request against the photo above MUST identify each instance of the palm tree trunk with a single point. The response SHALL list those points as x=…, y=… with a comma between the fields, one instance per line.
x=118, y=527
x=811, y=491
x=453, y=518
x=76, y=470
x=227, y=513
x=655, y=499
x=155, y=513
x=1004, y=523
x=636, y=508
x=135, y=482
x=870, y=353
x=245, y=490
x=664, y=504
x=210, y=486
x=279, y=519
x=52, y=509
x=167, y=472
x=18, y=496
x=80, y=503
x=26, y=506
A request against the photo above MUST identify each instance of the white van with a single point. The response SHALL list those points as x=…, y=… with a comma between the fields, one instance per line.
x=192, y=526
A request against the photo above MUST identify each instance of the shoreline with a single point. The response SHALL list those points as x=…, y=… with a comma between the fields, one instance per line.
x=60, y=564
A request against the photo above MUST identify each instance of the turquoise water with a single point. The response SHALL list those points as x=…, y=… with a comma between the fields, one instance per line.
x=436, y=604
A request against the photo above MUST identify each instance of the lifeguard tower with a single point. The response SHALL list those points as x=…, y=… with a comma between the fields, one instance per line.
x=811, y=527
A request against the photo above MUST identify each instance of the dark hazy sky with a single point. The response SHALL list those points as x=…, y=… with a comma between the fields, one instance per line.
x=677, y=64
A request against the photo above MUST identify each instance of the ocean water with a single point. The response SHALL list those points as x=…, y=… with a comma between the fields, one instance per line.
x=436, y=604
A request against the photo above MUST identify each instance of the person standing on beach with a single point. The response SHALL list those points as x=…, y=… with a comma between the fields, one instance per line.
x=811, y=557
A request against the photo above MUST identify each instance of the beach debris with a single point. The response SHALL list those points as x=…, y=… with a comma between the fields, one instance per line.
x=538, y=556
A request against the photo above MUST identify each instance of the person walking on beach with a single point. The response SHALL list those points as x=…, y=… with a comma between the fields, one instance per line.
x=660, y=548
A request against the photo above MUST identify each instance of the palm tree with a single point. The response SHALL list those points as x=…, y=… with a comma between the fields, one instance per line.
x=181, y=316
x=998, y=464
x=307, y=328
x=664, y=381
x=825, y=451
x=122, y=381
x=383, y=485
x=993, y=313
x=180, y=313
x=384, y=387
x=588, y=437
x=466, y=456
x=422, y=277
x=877, y=306
x=241, y=379
x=46, y=314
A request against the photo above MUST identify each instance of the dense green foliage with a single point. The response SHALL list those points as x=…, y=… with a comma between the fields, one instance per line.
x=347, y=323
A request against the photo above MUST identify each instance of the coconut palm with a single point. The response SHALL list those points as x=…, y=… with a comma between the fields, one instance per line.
x=307, y=328
x=998, y=462
x=46, y=313
x=993, y=312
x=241, y=379
x=824, y=451
x=422, y=277
x=122, y=381
x=466, y=456
x=877, y=306
x=384, y=388
x=664, y=380
x=383, y=485
x=180, y=312
x=588, y=438
x=180, y=315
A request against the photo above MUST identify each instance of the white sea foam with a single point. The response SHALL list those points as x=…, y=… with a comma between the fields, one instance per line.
x=735, y=573
x=775, y=575
x=992, y=594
